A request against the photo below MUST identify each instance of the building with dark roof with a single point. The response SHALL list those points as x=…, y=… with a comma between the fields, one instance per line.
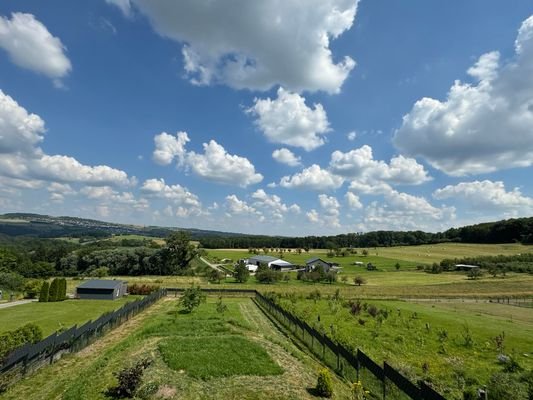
x=316, y=262
x=101, y=289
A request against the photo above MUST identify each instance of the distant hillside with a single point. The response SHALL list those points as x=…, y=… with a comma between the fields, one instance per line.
x=45, y=226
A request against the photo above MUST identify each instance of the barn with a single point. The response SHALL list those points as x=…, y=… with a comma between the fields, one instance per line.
x=101, y=289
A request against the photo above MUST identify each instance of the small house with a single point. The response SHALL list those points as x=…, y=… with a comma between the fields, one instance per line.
x=101, y=289
x=315, y=262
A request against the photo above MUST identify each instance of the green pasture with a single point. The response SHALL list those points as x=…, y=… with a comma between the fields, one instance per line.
x=235, y=355
x=53, y=316
x=408, y=336
x=386, y=257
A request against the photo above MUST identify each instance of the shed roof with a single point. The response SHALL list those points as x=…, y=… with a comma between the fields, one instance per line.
x=266, y=259
x=100, y=284
x=312, y=260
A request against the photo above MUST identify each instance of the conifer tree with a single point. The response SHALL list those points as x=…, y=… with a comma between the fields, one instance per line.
x=45, y=291
x=54, y=290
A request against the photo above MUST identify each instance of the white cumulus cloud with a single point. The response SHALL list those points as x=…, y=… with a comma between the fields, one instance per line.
x=262, y=45
x=22, y=159
x=488, y=196
x=312, y=178
x=285, y=156
x=30, y=45
x=186, y=203
x=215, y=164
x=480, y=127
x=288, y=120
x=359, y=164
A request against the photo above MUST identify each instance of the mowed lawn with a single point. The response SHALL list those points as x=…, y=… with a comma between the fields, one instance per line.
x=53, y=316
x=237, y=354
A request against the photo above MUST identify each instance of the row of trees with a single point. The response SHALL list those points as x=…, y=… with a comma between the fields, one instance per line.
x=506, y=231
x=54, y=291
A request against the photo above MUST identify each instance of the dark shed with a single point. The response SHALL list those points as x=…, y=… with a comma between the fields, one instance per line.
x=101, y=289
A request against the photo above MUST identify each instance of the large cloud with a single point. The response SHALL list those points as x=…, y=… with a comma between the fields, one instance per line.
x=359, y=164
x=288, y=120
x=215, y=164
x=403, y=211
x=273, y=204
x=481, y=127
x=30, y=45
x=262, y=44
x=312, y=178
x=22, y=159
x=488, y=197
x=185, y=202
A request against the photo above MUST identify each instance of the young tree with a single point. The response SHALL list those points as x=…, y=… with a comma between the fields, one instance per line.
x=221, y=307
x=359, y=280
x=324, y=384
x=215, y=275
x=192, y=298
x=397, y=266
x=43, y=296
x=241, y=273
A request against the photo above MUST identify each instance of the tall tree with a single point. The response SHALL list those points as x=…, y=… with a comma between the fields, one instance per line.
x=45, y=288
x=177, y=254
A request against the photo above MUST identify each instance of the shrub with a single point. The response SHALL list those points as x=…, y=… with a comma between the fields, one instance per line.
x=266, y=275
x=10, y=340
x=397, y=266
x=355, y=307
x=32, y=288
x=315, y=295
x=45, y=288
x=128, y=380
x=359, y=280
x=372, y=310
x=192, y=298
x=503, y=386
x=215, y=275
x=221, y=307
x=324, y=384
x=142, y=290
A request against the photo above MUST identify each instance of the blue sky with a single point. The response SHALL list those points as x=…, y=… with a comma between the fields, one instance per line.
x=280, y=117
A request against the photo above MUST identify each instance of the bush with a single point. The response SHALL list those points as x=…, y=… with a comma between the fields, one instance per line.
x=324, y=384
x=142, y=290
x=214, y=275
x=10, y=340
x=128, y=380
x=266, y=275
x=45, y=289
x=503, y=386
x=32, y=288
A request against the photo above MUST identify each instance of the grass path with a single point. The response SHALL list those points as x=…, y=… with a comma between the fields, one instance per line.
x=86, y=374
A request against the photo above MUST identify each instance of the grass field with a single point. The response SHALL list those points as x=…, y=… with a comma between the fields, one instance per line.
x=406, y=335
x=264, y=363
x=53, y=316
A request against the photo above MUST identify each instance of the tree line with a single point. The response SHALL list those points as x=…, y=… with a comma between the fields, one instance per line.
x=506, y=231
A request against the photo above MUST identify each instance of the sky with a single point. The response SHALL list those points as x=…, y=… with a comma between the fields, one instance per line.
x=286, y=117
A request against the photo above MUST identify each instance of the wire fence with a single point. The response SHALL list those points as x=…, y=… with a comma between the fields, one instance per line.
x=30, y=357
x=383, y=382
